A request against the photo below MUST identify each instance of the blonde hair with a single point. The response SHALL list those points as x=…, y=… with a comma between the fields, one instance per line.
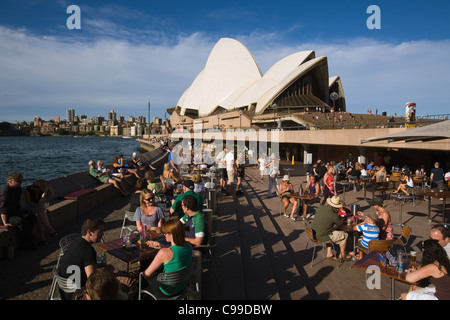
x=196, y=178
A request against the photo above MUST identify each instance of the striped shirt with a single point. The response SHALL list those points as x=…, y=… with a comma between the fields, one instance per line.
x=370, y=232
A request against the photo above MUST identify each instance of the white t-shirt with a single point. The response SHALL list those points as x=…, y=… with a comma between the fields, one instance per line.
x=229, y=158
x=219, y=159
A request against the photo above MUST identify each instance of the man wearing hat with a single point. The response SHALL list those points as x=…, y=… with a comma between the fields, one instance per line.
x=324, y=226
x=188, y=189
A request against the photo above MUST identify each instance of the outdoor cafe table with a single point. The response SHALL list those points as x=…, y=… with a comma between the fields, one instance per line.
x=437, y=195
x=373, y=259
x=301, y=199
x=114, y=248
x=402, y=198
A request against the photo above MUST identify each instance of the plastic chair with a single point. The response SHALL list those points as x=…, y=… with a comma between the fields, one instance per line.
x=313, y=239
x=66, y=285
x=170, y=279
x=64, y=242
x=130, y=217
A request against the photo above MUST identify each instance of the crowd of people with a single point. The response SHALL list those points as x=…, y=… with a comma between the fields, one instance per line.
x=186, y=226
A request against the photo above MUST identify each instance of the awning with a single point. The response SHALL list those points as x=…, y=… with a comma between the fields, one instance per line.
x=432, y=132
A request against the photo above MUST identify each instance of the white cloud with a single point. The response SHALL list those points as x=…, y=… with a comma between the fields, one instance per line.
x=96, y=76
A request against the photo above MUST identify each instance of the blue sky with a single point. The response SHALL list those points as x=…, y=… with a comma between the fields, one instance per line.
x=129, y=53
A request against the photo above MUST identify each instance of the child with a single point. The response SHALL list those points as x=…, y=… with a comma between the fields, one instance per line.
x=369, y=229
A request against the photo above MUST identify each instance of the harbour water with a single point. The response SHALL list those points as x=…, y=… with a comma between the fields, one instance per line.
x=52, y=157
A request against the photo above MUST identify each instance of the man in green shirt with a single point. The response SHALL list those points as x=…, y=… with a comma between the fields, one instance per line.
x=188, y=189
x=194, y=221
x=324, y=226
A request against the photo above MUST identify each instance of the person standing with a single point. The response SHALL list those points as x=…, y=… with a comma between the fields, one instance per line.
x=240, y=172
x=231, y=170
x=437, y=178
x=11, y=213
x=274, y=171
x=220, y=160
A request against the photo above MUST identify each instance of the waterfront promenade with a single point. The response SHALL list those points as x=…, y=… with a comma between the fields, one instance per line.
x=258, y=254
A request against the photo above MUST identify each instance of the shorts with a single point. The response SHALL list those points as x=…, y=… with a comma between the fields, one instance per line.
x=438, y=185
x=339, y=237
x=230, y=175
x=223, y=173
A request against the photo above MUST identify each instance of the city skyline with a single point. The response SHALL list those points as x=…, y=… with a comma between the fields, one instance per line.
x=126, y=55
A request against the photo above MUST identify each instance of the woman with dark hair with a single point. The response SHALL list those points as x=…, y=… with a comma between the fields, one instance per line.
x=174, y=258
x=434, y=270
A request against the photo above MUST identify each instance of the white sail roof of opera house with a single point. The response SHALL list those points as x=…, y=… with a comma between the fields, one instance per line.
x=232, y=79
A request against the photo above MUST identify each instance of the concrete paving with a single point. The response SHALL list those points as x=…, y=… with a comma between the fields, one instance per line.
x=258, y=255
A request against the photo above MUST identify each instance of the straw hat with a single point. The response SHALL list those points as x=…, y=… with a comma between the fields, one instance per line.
x=335, y=202
x=286, y=177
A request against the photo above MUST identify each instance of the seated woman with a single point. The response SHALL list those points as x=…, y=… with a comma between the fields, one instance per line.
x=198, y=184
x=380, y=175
x=313, y=188
x=434, y=269
x=36, y=197
x=105, y=178
x=169, y=174
x=120, y=167
x=406, y=182
x=285, y=188
x=174, y=258
x=148, y=213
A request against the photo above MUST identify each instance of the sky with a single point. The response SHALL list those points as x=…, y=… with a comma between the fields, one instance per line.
x=127, y=54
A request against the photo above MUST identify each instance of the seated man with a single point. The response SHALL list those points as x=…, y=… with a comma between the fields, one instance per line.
x=194, y=221
x=11, y=213
x=324, y=225
x=188, y=189
x=80, y=254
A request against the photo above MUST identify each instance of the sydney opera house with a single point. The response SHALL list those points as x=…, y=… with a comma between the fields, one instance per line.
x=232, y=81
x=298, y=96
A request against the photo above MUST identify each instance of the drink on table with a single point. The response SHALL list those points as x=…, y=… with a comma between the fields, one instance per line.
x=413, y=259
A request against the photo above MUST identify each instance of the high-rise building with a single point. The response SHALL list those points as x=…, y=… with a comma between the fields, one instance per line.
x=112, y=117
x=70, y=115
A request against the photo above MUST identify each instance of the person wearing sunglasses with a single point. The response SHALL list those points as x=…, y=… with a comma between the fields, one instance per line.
x=148, y=213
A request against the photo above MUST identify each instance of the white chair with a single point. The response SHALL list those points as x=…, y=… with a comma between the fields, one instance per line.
x=64, y=242
x=63, y=283
x=128, y=216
